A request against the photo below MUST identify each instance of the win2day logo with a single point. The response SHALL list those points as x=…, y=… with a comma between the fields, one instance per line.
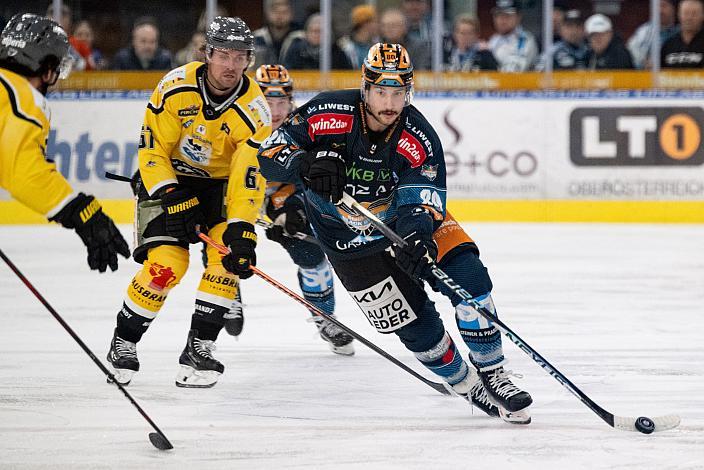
x=650, y=136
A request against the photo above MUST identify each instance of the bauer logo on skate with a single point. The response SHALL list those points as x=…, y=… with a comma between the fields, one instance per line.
x=385, y=306
x=329, y=123
x=411, y=148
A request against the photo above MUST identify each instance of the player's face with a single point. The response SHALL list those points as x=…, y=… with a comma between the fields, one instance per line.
x=384, y=105
x=226, y=66
x=280, y=107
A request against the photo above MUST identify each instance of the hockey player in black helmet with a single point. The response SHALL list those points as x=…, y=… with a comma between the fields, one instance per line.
x=284, y=205
x=33, y=56
x=376, y=146
x=197, y=168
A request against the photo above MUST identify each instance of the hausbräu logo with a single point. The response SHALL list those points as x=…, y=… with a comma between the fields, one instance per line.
x=652, y=136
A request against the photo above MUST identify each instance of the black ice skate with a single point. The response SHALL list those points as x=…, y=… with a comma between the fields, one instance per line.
x=199, y=369
x=234, y=319
x=123, y=358
x=338, y=341
x=472, y=389
x=511, y=400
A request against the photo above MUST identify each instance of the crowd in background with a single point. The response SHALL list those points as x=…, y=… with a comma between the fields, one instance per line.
x=582, y=41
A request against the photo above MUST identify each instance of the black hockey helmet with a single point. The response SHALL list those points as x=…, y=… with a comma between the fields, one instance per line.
x=227, y=32
x=35, y=44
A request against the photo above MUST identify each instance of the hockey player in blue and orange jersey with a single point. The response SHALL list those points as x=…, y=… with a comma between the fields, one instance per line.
x=33, y=56
x=285, y=207
x=380, y=149
x=197, y=168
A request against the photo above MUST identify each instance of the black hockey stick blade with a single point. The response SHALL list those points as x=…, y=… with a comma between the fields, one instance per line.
x=160, y=441
x=315, y=310
x=643, y=424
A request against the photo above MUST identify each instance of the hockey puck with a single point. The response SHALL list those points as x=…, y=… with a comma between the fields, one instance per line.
x=645, y=425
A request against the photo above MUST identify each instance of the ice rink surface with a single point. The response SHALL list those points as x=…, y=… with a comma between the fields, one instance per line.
x=619, y=309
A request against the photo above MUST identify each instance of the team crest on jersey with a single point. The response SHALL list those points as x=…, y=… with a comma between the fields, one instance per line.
x=329, y=123
x=191, y=110
x=411, y=148
x=200, y=129
x=359, y=223
x=196, y=149
x=260, y=111
x=429, y=171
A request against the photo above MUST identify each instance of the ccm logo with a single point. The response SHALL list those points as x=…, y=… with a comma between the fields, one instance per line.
x=411, y=148
x=636, y=136
x=329, y=123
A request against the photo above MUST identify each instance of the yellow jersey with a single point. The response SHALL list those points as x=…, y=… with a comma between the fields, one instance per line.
x=186, y=133
x=24, y=127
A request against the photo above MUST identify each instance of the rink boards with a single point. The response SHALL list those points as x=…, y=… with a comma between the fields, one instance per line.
x=631, y=156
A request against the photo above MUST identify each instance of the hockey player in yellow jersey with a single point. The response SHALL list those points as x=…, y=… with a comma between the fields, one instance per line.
x=197, y=167
x=33, y=56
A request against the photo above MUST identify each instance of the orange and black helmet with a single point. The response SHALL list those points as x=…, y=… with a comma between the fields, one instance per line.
x=388, y=65
x=274, y=81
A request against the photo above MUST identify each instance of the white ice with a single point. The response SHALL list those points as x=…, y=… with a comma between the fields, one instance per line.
x=619, y=309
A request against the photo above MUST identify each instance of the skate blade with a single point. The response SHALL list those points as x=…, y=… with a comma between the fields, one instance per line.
x=188, y=377
x=122, y=376
x=346, y=350
x=515, y=417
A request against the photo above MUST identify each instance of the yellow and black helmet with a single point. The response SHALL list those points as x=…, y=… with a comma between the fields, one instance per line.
x=388, y=65
x=274, y=80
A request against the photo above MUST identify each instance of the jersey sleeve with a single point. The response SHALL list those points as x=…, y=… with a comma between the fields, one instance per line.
x=279, y=156
x=161, y=131
x=24, y=171
x=423, y=180
x=246, y=185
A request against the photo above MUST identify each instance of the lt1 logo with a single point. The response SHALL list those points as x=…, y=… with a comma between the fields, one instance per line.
x=636, y=136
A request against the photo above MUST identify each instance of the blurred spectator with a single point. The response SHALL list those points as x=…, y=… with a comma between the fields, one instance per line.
x=419, y=22
x=304, y=53
x=145, y=53
x=271, y=40
x=394, y=30
x=607, y=49
x=194, y=50
x=640, y=43
x=66, y=22
x=365, y=33
x=82, y=41
x=686, y=49
x=467, y=52
x=571, y=52
x=514, y=48
x=559, y=9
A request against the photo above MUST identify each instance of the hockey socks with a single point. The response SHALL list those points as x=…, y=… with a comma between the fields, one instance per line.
x=479, y=334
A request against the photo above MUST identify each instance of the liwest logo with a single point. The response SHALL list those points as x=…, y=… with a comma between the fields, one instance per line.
x=329, y=123
x=411, y=148
x=636, y=136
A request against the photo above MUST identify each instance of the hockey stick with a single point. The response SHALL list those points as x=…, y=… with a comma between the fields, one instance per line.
x=299, y=235
x=158, y=438
x=642, y=424
x=225, y=251
x=261, y=222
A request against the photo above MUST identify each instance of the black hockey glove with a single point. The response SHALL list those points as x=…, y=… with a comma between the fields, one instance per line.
x=323, y=172
x=417, y=257
x=183, y=214
x=97, y=231
x=241, y=239
x=288, y=220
